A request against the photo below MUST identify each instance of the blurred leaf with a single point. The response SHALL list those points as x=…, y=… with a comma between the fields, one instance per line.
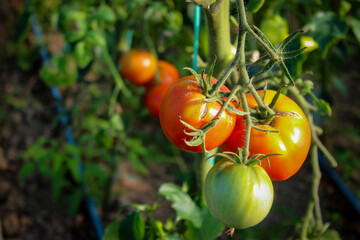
x=173, y=237
x=135, y=160
x=74, y=200
x=60, y=72
x=83, y=54
x=96, y=38
x=327, y=29
x=174, y=21
x=330, y=235
x=111, y=231
x=73, y=23
x=132, y=227
x=104, y=13
x=58, y=180
x=27, y=169
x=344, y=8
x=210, y=228
x=184, y=206
x=339, y=84
x=355, y=27
x=254, y=5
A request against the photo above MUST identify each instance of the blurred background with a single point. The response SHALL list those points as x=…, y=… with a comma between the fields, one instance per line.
x=65, y=133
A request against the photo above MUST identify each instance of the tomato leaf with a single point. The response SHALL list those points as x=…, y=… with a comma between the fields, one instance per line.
x=254, y=5
x=111, y=231
x=184, y=206
x=209, y=229
x=132, y=227
x=327, y=29
x=83, y=54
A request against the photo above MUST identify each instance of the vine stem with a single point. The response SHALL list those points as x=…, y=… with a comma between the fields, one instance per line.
x=114, y=72
x=245, y=25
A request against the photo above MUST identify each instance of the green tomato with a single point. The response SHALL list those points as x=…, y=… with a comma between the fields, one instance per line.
x=238, y=195
x=275, y=28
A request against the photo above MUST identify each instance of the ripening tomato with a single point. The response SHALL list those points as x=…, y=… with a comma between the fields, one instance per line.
x=292, y=141
x=138, y=66
x=153, y=98
x=238, y=195
x=168, y=73
x=185, y=100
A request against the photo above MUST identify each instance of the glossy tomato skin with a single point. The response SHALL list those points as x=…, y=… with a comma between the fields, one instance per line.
x=153, y=98
x=185, y=100
x=168, y=73
x=237, y=195
x=138, y=66
x=292, y=142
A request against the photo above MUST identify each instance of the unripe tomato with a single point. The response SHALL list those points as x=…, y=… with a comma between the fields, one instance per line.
x=153, y=98
x=168, y=73
x=237, y=195
x=138, y=66
x=185, y=100
x=292, y=142
x=275, y=28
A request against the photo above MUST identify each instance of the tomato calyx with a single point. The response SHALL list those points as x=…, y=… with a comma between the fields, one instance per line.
x=238, y=158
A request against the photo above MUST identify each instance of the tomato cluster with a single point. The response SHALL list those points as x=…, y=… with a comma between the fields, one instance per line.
x=239, y=193
x=139, y=67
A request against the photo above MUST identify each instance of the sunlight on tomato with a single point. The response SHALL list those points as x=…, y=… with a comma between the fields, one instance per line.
x=138, y=66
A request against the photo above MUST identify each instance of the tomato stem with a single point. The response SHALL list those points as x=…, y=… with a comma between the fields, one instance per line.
x=114, y=72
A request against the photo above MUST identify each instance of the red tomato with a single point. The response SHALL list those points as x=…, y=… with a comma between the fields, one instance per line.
x=292, y=141
x=186, y=101
x=138, y=66
x=168, y=73
x=153, y=98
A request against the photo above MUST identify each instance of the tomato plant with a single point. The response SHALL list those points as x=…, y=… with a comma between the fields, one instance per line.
x=138, y=66
x=238, y=195
x=291, y=142
x=153, y=98
x=184, y=100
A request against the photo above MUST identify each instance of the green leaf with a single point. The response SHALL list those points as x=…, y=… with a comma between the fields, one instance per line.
x=132, y=227
x=184, y=206
x=355, y=27
x=327, y=29
x=210, y=228
x=254, y=5
x=26, y=170
x=83, y=54
x=111, y=231
x=104, y=13
x=74, y=201
x=96, y=38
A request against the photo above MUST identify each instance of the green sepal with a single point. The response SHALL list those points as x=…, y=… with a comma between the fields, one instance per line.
x=286, y=72
x=236, y=111
x=266, y=68
x=262, y=36
x=223, y=155
x=287, y=40
x=196, y=75
x=261, y=59
x=265, y=130
x=208, y=78
x=276, y=97
x=292, y=54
